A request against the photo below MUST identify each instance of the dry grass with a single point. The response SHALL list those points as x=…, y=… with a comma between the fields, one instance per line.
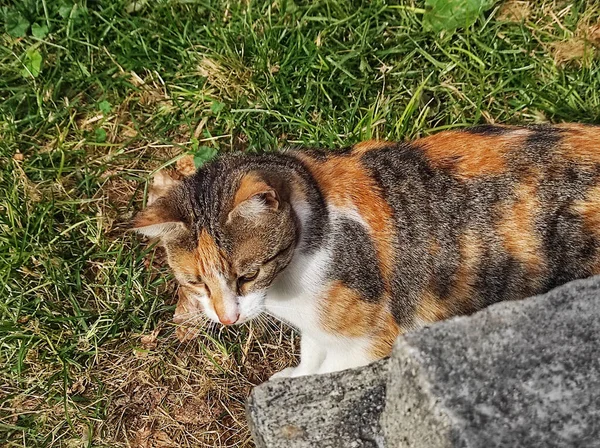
x=167, y=393
x=514, y=11
x=164, y=393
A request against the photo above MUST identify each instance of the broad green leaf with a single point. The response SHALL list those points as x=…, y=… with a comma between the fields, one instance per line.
x=65, y=10
x=105, y=107
x=100, y=135
x=39, y=31
x=16, y=24
x=71, y=11
x=33, y=63
x=452, y=14
x=203, y=154
x=216, y=107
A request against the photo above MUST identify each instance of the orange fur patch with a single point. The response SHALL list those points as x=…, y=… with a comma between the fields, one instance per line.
x=434, y=247
x=250, y=185
x=589, y=209
x=517, y=230
x=345, y=313
x=431, y=308
x=580, y=143
x=471, y=155
x=385, y=336
x=210, y=256
x=346, y=184
x=211, y=261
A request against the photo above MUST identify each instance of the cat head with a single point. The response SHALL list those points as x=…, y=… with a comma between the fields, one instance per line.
x=228, y=230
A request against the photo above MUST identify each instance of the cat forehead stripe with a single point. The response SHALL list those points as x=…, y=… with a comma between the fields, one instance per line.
x=211, y=258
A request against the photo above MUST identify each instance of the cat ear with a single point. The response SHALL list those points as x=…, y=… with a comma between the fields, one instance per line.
x=162, y=183
x=160, y=218
x=254, y=197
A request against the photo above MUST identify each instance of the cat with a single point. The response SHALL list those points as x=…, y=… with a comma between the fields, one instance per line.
x=355, y=246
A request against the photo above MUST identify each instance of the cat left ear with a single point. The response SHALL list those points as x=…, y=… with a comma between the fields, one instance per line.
x=254, y=197
x=159, y=220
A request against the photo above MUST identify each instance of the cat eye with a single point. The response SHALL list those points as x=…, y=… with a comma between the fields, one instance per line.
x=194, y=282
x=278, y=254
x=248, y=276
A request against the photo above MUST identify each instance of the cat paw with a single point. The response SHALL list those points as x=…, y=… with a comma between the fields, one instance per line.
x=285, y=373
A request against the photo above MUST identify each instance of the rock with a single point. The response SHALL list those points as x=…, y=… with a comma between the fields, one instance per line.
x=335, y=410
x=517, y=374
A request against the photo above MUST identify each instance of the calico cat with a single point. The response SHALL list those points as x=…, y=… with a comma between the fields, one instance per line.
x=356, y=246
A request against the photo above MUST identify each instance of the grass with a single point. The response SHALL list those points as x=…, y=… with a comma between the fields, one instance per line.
x=88, y=355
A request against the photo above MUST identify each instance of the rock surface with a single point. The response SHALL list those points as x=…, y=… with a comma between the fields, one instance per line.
x=335, y=410
x=518, y=374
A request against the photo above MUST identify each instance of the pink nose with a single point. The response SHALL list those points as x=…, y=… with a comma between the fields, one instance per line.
x=228, y=320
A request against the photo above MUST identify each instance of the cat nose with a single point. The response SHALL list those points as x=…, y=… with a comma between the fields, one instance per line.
x=229, y=320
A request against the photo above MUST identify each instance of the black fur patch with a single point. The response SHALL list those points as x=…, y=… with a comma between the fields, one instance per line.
x=404, y=176
x=570, y=250
x=487, y=129
x=540, y=146
x=355, y=260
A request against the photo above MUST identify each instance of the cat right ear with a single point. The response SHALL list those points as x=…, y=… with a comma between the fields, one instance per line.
x=254, y=197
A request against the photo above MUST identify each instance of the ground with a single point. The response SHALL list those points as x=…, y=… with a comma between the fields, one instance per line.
x=96, y=96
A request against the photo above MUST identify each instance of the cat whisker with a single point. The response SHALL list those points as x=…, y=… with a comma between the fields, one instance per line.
x=264, y=323
x=192, y=324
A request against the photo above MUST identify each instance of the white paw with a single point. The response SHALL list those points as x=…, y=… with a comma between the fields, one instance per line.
x=285, y=373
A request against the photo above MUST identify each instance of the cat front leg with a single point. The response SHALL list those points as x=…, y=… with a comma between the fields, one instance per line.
x=312, y=355
x=285, y=373
x=349, y=356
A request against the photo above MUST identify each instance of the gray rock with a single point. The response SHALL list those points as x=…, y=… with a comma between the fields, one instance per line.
x=517, y=374
x=336, y=410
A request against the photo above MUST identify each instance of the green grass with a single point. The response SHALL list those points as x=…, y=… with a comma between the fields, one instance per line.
x=122, y=94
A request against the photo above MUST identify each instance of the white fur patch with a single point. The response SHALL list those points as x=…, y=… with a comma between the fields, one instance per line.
x=207, y=307
x=349, y=212
x=162, y=230
x=251, y=209
x=251, y=305
x=295, y=297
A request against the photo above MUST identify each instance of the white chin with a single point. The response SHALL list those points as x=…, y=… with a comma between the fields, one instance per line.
x=251, y=305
